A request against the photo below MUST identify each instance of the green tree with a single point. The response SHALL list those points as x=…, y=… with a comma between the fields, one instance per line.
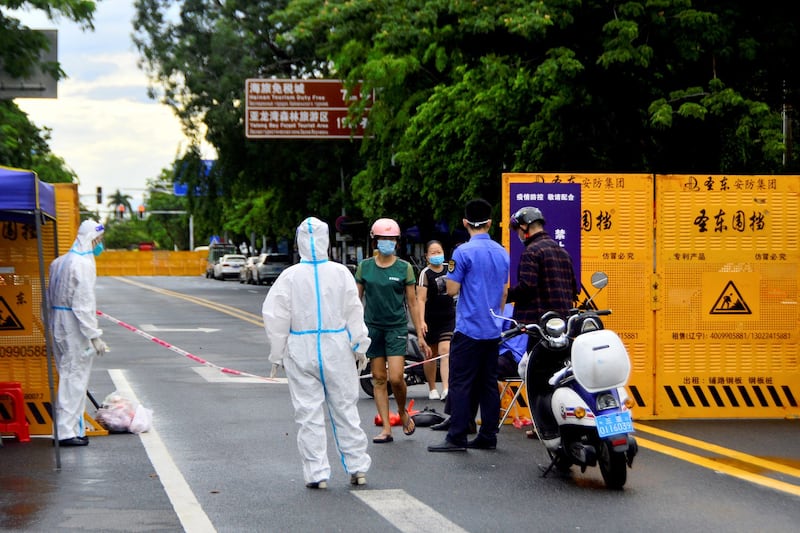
x=279, y=181
x=125, y=234
x=23, y=144
x=167, y=218
x=468, y=90
x=117, y=200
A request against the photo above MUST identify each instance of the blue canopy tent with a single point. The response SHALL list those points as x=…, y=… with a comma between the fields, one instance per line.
x=25, y=199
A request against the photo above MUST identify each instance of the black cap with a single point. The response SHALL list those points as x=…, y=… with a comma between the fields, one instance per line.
x=478, y=212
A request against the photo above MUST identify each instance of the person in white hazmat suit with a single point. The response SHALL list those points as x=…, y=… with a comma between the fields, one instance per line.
x=315, y=326
x=73, y=323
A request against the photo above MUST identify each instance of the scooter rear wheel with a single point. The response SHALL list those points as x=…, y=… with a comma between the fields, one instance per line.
x=367, y=385
x=613, y=466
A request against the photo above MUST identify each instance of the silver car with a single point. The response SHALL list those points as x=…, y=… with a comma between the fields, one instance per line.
x=269, y=267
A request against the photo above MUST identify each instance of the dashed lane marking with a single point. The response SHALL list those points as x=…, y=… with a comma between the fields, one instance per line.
x=405, y=512
x=212, y=375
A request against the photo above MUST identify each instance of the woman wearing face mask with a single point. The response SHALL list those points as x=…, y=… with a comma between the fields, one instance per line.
x=438, y=316
x=386, y=285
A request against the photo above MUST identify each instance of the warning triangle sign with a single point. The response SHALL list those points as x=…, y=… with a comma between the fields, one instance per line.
x=8, y=320
x=730, y=302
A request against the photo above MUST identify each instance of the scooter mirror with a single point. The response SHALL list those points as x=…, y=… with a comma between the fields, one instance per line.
x=599, y=280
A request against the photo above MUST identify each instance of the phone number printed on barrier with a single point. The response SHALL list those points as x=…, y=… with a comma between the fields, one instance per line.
x=22, y=351
x=732, y=335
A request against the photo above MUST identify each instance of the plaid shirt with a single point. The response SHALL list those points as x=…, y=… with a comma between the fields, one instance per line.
x=545, y=280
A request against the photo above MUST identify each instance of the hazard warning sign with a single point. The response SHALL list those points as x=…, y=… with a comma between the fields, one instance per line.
x=730, y=302
x=731, y=294
x=16, y=316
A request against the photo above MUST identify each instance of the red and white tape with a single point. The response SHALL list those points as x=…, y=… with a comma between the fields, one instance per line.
x=222, y=369
x=184, y=353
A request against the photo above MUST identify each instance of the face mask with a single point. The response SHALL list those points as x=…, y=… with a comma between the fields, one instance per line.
x=98, y=249
x=386, y=247
x=437, y=260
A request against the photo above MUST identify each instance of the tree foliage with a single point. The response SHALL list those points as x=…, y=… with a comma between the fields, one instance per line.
x=199, y=61
x=468, y=90
x=167, y=218
x=22, y=143
x=118, y=200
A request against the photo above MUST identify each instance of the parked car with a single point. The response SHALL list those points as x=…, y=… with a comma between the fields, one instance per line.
x=246, y=274
x=269, y=267
x=215, y=252
x=229, y=266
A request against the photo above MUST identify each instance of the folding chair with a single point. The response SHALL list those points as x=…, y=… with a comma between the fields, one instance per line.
x=517, y=385
x=511, y=352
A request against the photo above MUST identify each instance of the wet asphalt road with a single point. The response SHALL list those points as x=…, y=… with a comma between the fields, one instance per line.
x=222, y=454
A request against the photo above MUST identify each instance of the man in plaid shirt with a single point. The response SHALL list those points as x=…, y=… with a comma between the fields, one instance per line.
x=545, y=282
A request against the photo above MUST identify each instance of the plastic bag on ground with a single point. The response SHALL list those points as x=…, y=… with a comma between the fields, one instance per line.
x=120, y=414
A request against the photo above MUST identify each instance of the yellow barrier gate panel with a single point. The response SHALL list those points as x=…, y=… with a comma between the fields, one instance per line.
x=727, y=327
x=617, y=238
x=23, y=353
x=151, y=263
x=67, y=214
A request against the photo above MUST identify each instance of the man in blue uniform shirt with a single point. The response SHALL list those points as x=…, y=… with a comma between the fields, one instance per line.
x=477, y=273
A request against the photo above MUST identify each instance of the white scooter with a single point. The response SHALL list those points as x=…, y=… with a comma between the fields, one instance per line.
x=589, y=401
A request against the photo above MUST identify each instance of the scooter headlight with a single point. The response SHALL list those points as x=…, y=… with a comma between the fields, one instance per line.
x=606, y=401
x=555, y=327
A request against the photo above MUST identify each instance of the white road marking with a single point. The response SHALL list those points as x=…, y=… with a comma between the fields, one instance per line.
x=405, y=512
x=214, y=375
x=186, y=506
x=153, y=327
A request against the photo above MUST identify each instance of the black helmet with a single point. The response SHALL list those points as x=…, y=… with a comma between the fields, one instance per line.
x=526, y=215
x=427, y=417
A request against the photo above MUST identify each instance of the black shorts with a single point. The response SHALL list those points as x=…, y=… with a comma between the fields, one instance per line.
x=440, y=331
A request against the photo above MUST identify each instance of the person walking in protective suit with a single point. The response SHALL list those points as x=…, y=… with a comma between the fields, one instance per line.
x=315, y=326
x=76, y=335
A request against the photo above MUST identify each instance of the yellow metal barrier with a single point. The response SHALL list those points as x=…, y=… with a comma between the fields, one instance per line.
x=151, y=263
x=727, y=327
x=704, y=287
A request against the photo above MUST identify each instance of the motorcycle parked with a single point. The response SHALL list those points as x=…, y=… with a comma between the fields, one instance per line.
x=414, y=373
x=590, y=403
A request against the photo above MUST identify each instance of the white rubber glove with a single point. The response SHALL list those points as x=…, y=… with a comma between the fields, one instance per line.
x=99, y=346
x=275, y=367
x=361, y=361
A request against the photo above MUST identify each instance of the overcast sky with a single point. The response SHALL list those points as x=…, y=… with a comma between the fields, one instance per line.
x=103, y=124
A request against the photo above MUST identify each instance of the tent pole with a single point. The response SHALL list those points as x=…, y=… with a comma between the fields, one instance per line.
x=47, y=337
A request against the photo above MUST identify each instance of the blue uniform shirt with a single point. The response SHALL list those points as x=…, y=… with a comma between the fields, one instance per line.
x=481, y=267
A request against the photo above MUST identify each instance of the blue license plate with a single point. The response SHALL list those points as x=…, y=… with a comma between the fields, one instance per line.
x=610, y=425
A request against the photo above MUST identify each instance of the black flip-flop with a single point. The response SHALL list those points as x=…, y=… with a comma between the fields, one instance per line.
x=383, y=439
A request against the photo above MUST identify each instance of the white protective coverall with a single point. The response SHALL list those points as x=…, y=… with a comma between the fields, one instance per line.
x=314, y=321
x=73, y=321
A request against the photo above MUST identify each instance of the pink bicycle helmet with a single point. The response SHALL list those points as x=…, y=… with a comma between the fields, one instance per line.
x=384, y=227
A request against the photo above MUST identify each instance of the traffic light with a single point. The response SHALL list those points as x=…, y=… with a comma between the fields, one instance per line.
x=141, y=212
x=99, y=195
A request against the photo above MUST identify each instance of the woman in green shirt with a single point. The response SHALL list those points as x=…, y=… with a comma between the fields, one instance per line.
x=387, y=284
